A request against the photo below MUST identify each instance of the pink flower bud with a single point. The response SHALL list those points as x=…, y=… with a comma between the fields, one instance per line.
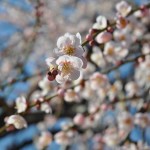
x=91, y=31
x=104, y=37
x=144, y=10
x=89, y=37
x=79, y=119
x=91, y=43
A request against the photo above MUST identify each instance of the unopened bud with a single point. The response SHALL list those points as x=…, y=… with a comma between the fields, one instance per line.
x=91, y=43
x=89, y=37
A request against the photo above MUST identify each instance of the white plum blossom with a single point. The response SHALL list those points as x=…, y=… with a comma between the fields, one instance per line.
x=62, y=138
x=101, y=23
x=18, y=121
x=71, y=96
x=115, y=90
x=90, y=69
x=70, y=44
x=142, y=119
x=69, y=68
x=125, y=121
x=97, y=57
x=138, y=14
x=45, y=85
x=146, y=48
x=123, y=8
x=123, y=37
x=21, y=104
x=143, y=79
x=46, y=107
x=44, y=140
x=98, y=80
x=114, y=52
x=111, y=137
x=102, y=92
x=132, y=88
x=109, y=49
x=88, y=93
x=121, y=22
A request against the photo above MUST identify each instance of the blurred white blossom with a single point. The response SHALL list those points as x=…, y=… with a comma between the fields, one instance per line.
x=123, y=8
x=18, y=121
x=21, y=104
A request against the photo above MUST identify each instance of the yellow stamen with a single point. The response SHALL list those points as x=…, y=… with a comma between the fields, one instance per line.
x=110, y=51
x=69, y=50
x=66, y=69
x=51, y=67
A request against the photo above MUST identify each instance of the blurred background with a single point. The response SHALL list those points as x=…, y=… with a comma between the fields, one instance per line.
x=26, y=39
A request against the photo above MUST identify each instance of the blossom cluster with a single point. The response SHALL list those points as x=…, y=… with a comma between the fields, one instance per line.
x=69, y=59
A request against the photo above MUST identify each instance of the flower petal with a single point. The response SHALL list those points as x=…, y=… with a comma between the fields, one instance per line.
x=58, y=52
x=61, y=79
x=50, y=61
x=84, y=60
x=17, y=120
x=62, y=59
x=77, y=62
x=63, y=41
x=78, y=35
x=79, y=51
x=123, y=52
x=75, y=74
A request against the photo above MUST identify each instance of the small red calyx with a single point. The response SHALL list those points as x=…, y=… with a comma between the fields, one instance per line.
x=38, y=104
x=110, y=29
x=51, y=75
x=118, y=63
x=143, y=7
x=10, y=128
x=54, y=72
x=144, y=10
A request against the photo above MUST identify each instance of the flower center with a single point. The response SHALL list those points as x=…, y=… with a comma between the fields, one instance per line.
x=110, y=51
x=122, y=38
x=66, y=69
x=69, y=50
